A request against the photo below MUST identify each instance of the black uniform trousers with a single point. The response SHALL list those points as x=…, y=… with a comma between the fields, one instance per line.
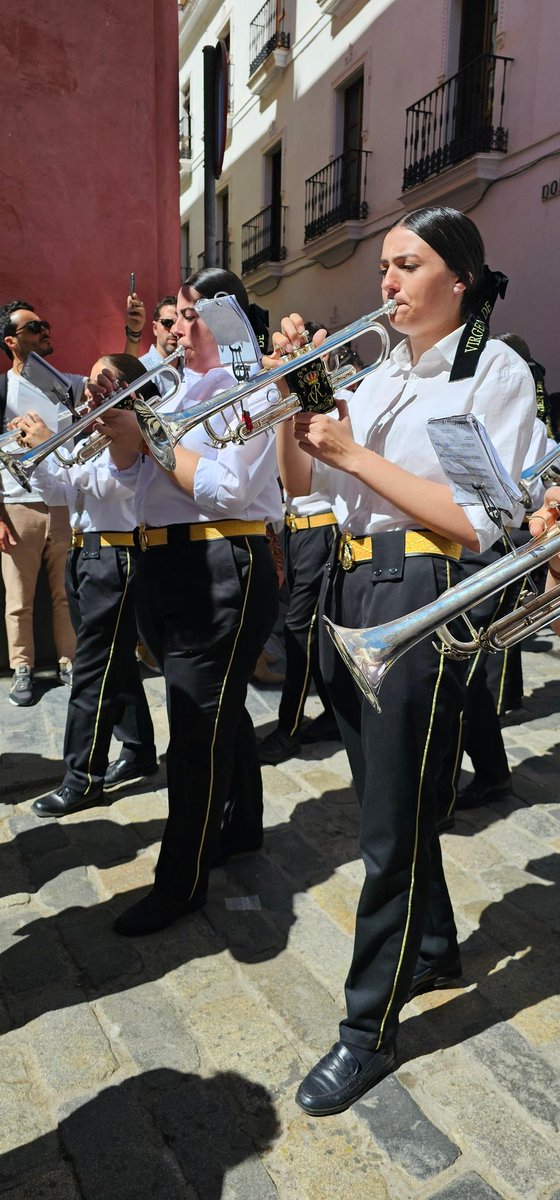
x=494, y=683
x=404, y=914
x=205, y=609
x=107, y=695
x=306, y=552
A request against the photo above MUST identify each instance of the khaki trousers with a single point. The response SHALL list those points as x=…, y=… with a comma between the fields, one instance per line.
x=39, y=531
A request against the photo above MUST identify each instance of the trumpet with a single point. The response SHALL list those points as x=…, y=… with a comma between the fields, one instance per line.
x=369, y=653
x=163, y=431
x=21, y=465
x=543, y=469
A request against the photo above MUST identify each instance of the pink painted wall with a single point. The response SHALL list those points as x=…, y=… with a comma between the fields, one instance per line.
x=89, y=166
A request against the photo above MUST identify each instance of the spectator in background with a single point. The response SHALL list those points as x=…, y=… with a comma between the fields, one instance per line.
x=29, y=529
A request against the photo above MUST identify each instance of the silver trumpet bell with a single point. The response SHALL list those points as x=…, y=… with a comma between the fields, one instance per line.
x=163, y=431
x=21, y=464
x=370, y=653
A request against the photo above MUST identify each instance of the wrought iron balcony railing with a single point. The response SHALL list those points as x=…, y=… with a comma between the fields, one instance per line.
x=266, y=33
x=336, y=193
x=263, y=238
x=462, y=117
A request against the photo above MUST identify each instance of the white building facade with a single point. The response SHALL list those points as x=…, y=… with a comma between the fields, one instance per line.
x=343, y=115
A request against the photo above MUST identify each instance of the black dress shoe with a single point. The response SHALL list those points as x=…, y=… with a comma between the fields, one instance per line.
x=339, y=1079
x=66, y=800
x=122, y=771
x=154, y=912
x=478, y=792
x=431, y=979
x=277, y=747
x=322, y=729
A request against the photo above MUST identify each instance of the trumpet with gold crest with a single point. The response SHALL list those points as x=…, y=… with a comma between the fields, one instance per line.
x=312, y=384
x=370, y=653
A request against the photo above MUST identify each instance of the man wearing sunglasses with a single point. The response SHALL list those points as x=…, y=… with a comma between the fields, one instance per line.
x=165, y=316
x=29, y=529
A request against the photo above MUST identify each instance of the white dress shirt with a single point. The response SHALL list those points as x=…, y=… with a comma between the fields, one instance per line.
x=389, y=413
x=239, y=482
x=22, y=397
x=97, y=500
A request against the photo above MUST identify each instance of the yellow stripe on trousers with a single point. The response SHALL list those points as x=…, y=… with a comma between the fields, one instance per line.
x=312, y=625
x=415, y=854
x=106, y=671
x=215, y=731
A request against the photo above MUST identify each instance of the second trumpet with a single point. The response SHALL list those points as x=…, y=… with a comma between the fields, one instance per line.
x=315, y=387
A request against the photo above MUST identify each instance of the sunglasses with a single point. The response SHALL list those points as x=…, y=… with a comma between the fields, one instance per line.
x=166, y=322
x=34, y=327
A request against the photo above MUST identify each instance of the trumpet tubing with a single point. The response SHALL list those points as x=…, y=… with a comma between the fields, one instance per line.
x=21, y=465
x=162, y=433
x=370, y=653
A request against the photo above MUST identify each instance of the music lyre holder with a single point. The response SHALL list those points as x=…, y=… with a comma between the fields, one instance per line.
x=496, y=515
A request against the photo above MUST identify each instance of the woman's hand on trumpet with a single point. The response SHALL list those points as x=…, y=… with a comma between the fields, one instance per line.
x=32, y=429
x=545, y=517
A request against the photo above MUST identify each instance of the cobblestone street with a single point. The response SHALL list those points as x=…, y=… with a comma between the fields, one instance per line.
x=165, y=1067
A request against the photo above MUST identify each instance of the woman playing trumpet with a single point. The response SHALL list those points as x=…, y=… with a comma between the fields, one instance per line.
x=400, y=541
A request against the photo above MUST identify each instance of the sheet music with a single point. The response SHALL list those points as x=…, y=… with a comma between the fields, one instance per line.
x=232, y=330
x=472, y=463
x=47, y=379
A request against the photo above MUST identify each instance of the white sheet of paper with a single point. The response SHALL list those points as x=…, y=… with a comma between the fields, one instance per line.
x=472, y=463
x=243, y=903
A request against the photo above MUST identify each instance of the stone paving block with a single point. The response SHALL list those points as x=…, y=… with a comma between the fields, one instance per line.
x=57, y=1183
x=239, y=1033
x=279, y=782
x=338, y=897
x=100, y=955
x=116, y=1150
x=467, y=1187
x=485, y=1123
x=147, y=1024
x=325, y=949
x=139, y=873
x=25, y=1119
x=71, y=1050
x=404, y=1132
x=69, y=888
x=31, y=951
x=324, y=1159
x=537, y=822
x=522, y=1072
x=204, y=1124
x=525, y=890
x=539, y=1023
x=299, y=999
x=250, y=935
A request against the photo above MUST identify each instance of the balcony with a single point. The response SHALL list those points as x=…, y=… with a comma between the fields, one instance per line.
x=263, y=247
x=185, y=150
x=269, y=47
x=335, y=204
x=460, y=119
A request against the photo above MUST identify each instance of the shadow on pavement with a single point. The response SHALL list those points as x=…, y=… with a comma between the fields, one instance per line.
x=163, y=1134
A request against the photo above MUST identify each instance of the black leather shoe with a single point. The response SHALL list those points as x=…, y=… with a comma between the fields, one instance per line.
x=339, y=1079
x=66, y=800
x=277, y=747
x=322, y=729
x=431, y=979
x=154, y=912
x=122, y=771
x=479, y=792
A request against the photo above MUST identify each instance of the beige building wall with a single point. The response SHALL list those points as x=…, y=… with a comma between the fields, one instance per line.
x=404, y=49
